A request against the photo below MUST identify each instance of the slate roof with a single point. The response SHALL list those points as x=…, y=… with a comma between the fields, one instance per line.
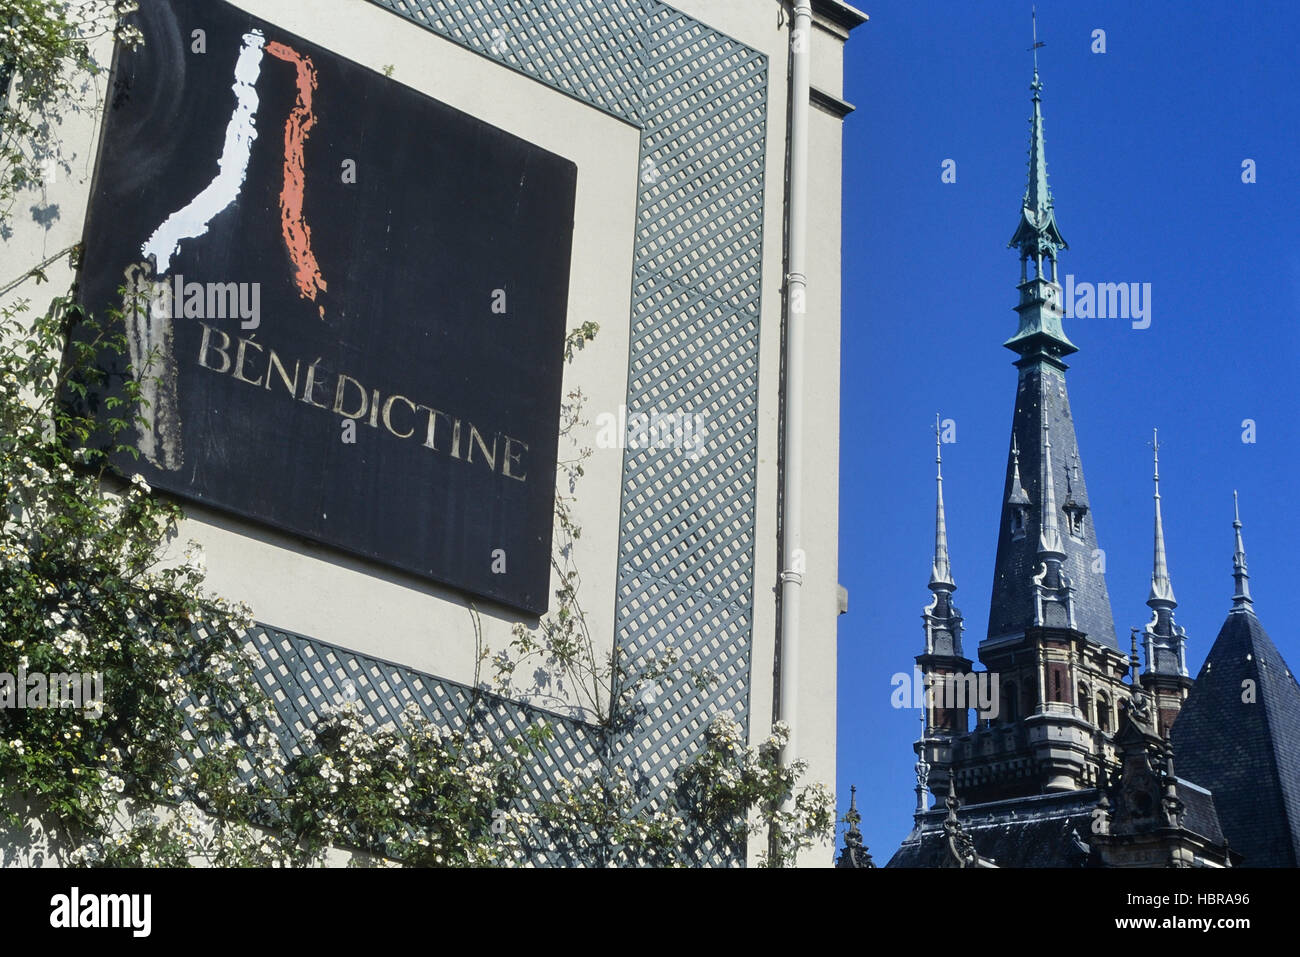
x=1041, y=394
x=1047, y=830
x=1035, y=831
x=1248, y=754
x=1200, y=814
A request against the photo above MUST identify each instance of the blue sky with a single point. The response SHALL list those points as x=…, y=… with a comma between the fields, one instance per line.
x=1145, y=146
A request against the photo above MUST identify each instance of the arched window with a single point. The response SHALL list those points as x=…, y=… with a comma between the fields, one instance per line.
x=1085, y=703
x=1103, y=713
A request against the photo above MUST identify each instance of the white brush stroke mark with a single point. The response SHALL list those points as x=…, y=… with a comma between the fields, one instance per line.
x=192, y=221
x=149, y=323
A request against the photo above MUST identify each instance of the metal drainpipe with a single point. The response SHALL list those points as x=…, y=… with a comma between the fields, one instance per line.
x=794, y=562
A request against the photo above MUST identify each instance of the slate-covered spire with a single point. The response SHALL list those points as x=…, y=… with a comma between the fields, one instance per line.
x=1241, y=600
x=1037, y=531
x=1236, y=734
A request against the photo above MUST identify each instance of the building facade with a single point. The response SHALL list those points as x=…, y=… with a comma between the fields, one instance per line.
x=677, y=124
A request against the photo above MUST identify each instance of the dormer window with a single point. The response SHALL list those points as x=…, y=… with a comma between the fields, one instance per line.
x=1074, y=509
x=1017, y=499
x=1074, y=516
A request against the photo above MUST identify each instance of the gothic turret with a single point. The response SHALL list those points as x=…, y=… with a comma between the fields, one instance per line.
x=942, y=666
x=1051, y=638
x=943, y=622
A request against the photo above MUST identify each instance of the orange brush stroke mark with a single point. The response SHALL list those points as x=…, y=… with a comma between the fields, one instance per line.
x=297, y=234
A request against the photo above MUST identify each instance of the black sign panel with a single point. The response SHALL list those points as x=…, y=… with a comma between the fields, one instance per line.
x=351, y=315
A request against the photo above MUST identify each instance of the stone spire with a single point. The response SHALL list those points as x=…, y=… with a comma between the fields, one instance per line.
x=854, y=853
x=1049, y=534
x=941, y=575
x=1241, y=600
x=1165, y=641
x=943, y=622
x=1162, y=589
x=941, y=661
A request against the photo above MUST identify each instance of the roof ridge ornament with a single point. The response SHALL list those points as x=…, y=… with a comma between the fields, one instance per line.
x=1037, y=234
x=1033, y=15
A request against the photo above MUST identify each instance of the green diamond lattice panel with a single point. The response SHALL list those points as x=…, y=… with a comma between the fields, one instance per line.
x=686, y=542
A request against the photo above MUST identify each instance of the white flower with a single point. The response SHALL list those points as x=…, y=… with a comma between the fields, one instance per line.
x=139, y=482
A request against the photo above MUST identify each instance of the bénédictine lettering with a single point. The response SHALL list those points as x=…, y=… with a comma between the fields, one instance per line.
x=261, y=366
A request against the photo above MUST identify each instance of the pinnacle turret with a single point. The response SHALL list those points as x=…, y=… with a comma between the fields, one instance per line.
x=943, y=622
x=1166, y=642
